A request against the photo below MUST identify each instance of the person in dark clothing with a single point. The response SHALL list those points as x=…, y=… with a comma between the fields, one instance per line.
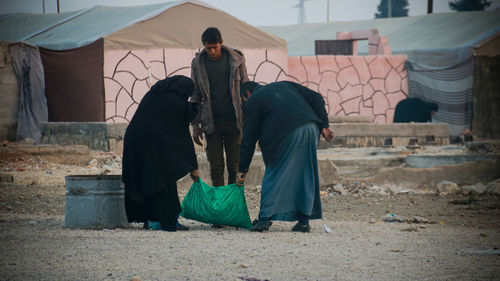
x=157, y=151
x=414, y=110
x=286, y=119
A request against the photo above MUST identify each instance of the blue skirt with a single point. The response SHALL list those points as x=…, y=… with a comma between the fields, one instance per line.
x=291, y=184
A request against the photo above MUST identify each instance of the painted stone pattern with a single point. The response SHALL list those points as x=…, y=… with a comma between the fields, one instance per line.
x=351, y=85
x=354, y=85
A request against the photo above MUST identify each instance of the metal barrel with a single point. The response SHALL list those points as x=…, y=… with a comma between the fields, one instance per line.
x=95, y=201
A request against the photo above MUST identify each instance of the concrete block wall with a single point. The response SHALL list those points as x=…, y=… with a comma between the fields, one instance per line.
x=396, y=134
x=9, y=96
x=95, y=135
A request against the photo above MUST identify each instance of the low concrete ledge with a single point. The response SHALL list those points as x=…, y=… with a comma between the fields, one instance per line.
x=96, y=135
x=391, y=130
x=109, y=136
x=350, y=119
x=400, y=134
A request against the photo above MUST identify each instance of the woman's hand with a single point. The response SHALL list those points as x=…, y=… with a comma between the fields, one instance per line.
x=195, y=175
x=240, y=178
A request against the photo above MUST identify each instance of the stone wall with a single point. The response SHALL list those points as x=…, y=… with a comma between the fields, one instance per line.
x=9, y=96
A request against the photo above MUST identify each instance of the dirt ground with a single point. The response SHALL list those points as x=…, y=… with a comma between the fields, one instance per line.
x=459, y=241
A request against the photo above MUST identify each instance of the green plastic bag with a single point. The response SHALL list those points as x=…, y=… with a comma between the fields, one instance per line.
x=224, y=205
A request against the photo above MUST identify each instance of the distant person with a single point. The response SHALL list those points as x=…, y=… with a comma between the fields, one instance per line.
x=217, y=72
x=158, y=151
x=414, y=110
x=286, y=119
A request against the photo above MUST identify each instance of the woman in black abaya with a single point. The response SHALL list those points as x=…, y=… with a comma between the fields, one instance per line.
x=158, y=150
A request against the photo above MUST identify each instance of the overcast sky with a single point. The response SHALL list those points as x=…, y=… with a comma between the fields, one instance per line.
x=254, y=12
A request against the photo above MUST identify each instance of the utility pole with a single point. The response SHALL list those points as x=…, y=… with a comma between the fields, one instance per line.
x=43, y=6
x=58, y=11
x=389, y=7
x=327, y=11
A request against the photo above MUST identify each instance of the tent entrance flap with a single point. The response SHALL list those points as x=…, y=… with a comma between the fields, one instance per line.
x=74, y=84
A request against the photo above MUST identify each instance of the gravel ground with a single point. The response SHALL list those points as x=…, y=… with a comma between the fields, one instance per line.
x=461, y=241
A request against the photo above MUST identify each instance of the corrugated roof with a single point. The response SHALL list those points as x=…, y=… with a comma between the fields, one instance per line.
x=115, y=24
x=406, y=35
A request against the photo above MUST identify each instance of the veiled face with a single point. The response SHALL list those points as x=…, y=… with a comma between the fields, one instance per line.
x=213, y=50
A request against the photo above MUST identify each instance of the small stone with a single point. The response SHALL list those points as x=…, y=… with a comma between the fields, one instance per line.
x=92, y=163
x=8, y=208
x=478, y=188
x=447, y=187
x=135, y=278
x=29, y=141
x=106, y=170
x=493, y=187
x=339, y=188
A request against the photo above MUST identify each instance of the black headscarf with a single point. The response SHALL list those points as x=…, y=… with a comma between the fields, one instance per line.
x=158, y=149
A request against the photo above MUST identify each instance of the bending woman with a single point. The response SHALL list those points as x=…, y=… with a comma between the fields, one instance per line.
x=158, y=150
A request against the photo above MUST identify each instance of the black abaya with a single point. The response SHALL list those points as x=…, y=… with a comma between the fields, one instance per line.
x=158, y=150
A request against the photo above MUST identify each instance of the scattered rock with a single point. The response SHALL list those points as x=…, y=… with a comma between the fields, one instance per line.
x=478, y=188
x=393, y=218
x=447, y=188
x=339, y=188
x=410, y=229
x=392, y=189
x=92, y=163
x=418, y=219
x=106, y=170
x=493, y=187
x=29, y=141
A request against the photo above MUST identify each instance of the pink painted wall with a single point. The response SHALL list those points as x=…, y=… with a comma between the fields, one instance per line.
x=354, y=85
x=351, y=85
x=128, y=75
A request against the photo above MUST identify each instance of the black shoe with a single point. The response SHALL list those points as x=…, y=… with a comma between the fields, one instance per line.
x=181, y=227
x=218, y=226
x=261, y=225
x=301, y=227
